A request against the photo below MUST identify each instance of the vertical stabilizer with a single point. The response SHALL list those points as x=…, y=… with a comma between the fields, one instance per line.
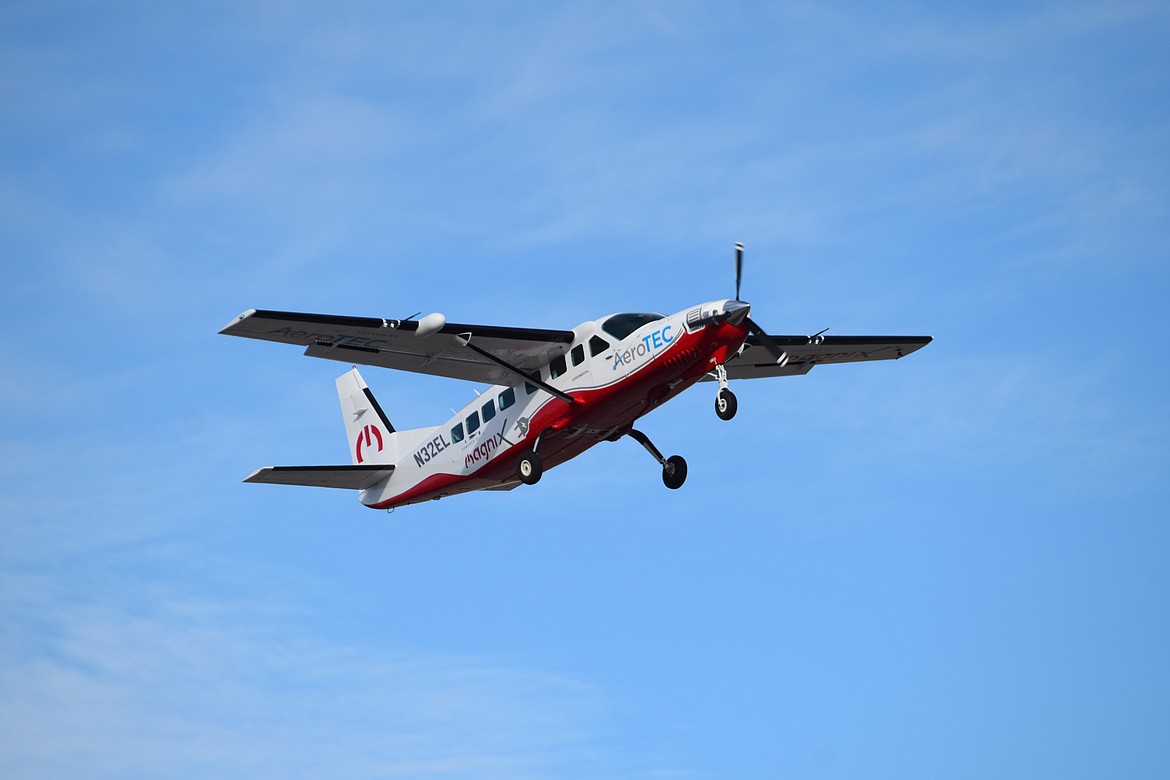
x=369, y=432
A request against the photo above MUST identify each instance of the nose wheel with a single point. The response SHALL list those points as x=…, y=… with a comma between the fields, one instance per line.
x=674, y=468
x=725, y=403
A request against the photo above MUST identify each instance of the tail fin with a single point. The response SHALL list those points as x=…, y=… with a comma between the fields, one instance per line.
x=370, y=433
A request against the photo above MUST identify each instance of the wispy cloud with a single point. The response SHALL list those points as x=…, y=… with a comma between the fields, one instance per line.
x=174, y=685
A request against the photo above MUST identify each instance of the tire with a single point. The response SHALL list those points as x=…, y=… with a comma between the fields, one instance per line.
x=530, y=468
x=726, y=405
x=674, y=473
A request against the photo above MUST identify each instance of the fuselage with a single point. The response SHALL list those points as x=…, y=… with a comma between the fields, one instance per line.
x=617, y=369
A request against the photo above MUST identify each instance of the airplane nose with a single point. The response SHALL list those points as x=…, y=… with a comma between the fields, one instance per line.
x=735, y=312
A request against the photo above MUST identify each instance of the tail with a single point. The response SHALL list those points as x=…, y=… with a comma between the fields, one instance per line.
x=371, y=436
x=372, y=446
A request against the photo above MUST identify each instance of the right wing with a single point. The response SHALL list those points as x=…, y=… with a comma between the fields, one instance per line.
x=395, y=344
x=804, y=352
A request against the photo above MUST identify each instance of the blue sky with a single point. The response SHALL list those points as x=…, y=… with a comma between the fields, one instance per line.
x=950, y=566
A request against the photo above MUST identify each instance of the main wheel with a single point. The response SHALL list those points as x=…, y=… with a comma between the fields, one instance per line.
x=674, y=473
x=725, y=404
x=530, y=468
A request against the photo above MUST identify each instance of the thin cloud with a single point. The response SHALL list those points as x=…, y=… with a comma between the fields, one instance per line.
x=181, y=687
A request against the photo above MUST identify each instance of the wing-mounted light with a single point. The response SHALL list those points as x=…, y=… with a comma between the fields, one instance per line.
x=430, y=324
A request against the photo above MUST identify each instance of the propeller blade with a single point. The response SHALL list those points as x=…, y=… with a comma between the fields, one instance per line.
x=769, y=344
x=738, y=267
x=767, y=341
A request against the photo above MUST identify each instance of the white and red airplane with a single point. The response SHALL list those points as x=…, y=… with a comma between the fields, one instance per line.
x=554, y=394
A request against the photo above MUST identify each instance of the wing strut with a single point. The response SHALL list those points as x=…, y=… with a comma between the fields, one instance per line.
x=465, y=340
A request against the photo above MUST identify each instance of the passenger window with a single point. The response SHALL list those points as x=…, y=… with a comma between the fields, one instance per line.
x=488, y=411
x=529, y=388
x=473, y=423
x=557, y=367
x=578, y=354
x=457, y=433
x=507, y=398
x=597, y=345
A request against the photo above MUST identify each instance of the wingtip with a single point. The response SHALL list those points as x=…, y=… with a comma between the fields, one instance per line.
x=226, y=329
x=252, y=477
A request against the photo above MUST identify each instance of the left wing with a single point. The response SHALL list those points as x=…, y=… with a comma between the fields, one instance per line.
x=396, y=344
x=804, y=352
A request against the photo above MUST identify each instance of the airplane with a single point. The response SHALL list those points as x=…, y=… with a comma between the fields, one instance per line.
x=553, y=393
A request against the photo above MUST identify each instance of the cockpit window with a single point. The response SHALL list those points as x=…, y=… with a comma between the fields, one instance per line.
x=621, y=325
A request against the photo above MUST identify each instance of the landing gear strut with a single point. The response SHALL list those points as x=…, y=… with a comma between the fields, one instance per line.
x=674, y=468
x=725, y=403
x=530, y=467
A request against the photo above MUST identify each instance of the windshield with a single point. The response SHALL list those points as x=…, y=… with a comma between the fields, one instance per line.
x=621, y=325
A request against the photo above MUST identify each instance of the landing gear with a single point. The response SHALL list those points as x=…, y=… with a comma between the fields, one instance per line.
x=674, y=472
x=674, y=468
x=725, y=403
x=530, y=468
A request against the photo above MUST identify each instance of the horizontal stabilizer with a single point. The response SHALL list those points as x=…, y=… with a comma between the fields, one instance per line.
x=344, y=477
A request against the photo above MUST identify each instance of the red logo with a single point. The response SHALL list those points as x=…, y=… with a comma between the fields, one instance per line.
x=364, y=440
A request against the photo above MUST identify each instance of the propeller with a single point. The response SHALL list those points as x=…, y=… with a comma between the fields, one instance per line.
x=738, y=267
x=767, y=341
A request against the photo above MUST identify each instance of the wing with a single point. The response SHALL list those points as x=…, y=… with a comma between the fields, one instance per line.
x=804, y=352
x=396, y=344
x=344, y=477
